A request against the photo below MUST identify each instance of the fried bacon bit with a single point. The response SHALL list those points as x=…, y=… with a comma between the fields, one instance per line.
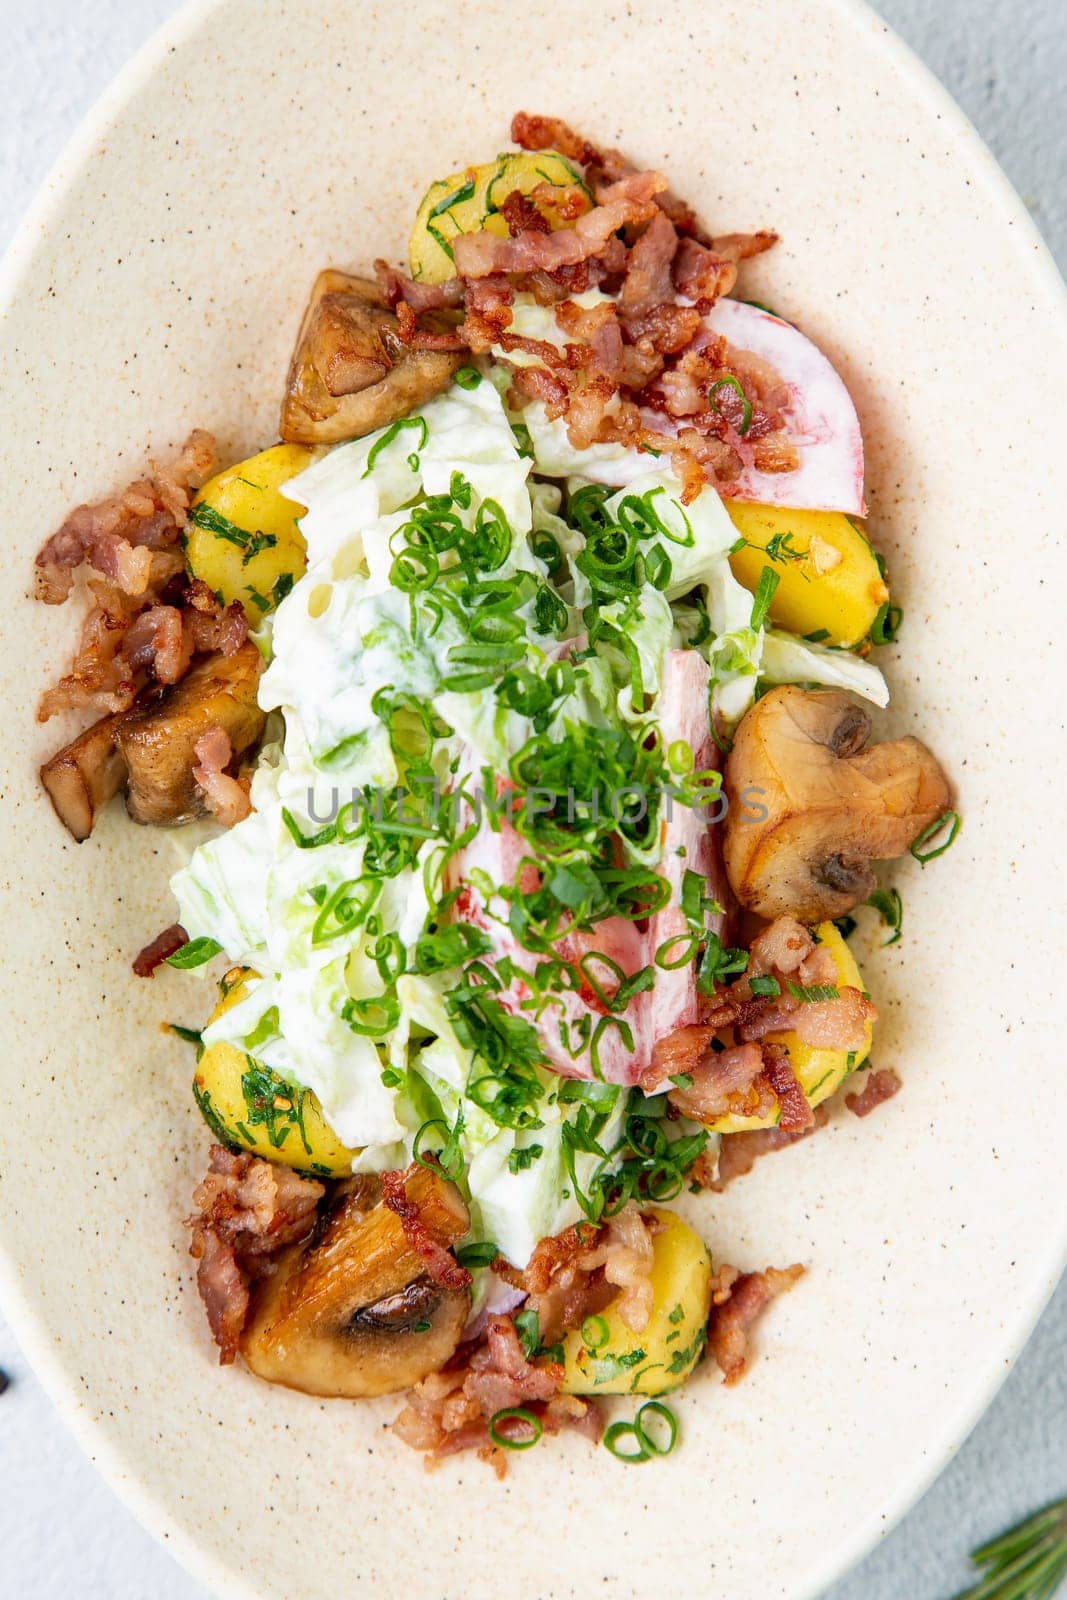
x=585, y=1268
x=881, y=1085
x=128, y=545
x=117, y=536
x=441, y=1265
x=522, y=216
x=733, y=1317
x=450, y=1411
x=743, y=246
x=486, y=311
x=723, y=1081
x=531, y=132
x=648, y=366
x=156, y=639
x=397, y=286
x=247, y=1211
x=795, y=1114
x=747, y=1072
x=209, y=626
x=163, y=945
x=225, y=796
x=739, y=1152
x=417, y=338
x=478, y=255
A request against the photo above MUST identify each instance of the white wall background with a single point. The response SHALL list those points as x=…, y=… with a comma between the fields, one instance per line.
x=63, y=1534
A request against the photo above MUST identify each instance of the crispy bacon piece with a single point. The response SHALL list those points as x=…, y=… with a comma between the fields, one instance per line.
x=450, y=1411
x=795, y=1114
x=163, y=945
x=156, y=640
x=532, y=132
x=586, y=1268
x=396, y=286
x=211, y=627
x=522, y=216
x=486, y=311
x=479, y=255
x=225, y=796
x=739, y=1152
x=881, y=1085
x=247, y=1210
x=416, y=338
x=117, y=536
x=441, y=1265
x=732, y=1319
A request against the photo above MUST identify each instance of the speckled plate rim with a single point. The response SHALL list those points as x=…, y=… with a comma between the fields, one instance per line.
x=54, y=1373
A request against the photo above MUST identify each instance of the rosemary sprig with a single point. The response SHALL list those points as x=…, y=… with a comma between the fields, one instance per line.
x=1026, y=1563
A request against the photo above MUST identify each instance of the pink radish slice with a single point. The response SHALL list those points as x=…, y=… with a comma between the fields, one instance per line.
x=674, y=1002
x=571, y=1016
x=821, y=420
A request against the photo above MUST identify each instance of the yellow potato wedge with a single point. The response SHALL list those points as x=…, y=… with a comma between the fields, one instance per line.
x=607, y=1357
x=249, y=1107
x=829, y=582
x=470, y=201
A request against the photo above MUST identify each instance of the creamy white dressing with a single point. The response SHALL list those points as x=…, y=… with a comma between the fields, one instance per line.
x=346, y=636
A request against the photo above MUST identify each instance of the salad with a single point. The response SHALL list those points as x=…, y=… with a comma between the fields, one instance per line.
x=517, y=703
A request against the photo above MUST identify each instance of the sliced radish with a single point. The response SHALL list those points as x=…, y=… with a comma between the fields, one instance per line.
x=821, y=420
x=689, y=842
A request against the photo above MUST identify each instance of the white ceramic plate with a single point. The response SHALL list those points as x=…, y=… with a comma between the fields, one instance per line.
x=158, y=285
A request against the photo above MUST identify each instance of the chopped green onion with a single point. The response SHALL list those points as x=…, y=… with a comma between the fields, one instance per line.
x=656, y=1409
x=810, y=994
x=393, y=432
x=595, y=1333
x=886, y=624
x=464, y=192
x=765, y=986
x=732, y=385
x=955, y=822
x=375, y=1016
x=528, y=1329
x=467, y=377
x=619, y=1431
x=890, y=908
x=515, y=1414
x=308, y=841
x=477, y=1255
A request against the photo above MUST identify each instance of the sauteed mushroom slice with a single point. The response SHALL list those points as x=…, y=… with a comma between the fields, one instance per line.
x=157, y=741
x=831, y=805
x=83, y=776
x=351, y=372
x=353, y=1312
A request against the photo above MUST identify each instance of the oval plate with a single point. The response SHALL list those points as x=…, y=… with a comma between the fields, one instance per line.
x=158, y=285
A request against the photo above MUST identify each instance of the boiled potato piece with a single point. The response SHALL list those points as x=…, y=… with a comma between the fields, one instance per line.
x=829, y=581
x=664, y=1354
x=243, y=539
x=821, y=1072
x=249, y=1107
x=470, y=201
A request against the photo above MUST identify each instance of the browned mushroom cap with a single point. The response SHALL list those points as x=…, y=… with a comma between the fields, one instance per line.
x=83, y=776
x=157, y=741
x=353, y=1312
x=832, y=807
x=351, y=372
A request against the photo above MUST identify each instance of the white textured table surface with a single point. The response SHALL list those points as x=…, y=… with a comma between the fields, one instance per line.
x=62, y=1532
